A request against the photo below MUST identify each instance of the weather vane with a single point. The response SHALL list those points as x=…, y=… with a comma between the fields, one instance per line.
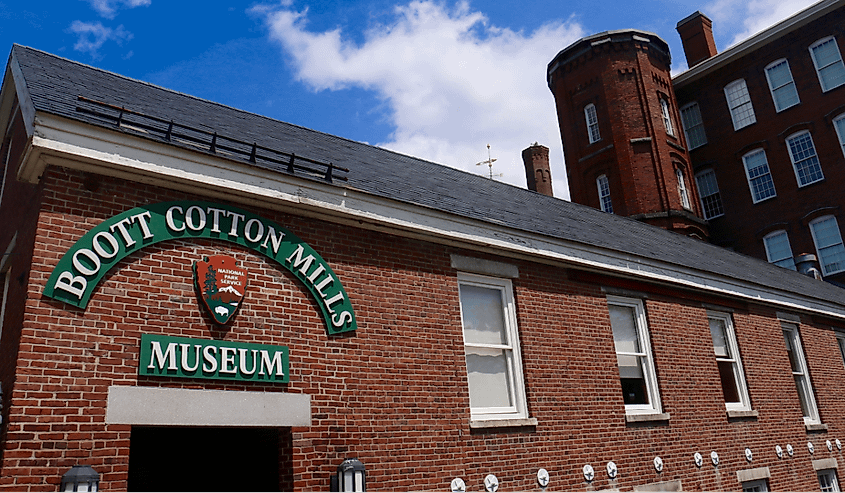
x=489, y=162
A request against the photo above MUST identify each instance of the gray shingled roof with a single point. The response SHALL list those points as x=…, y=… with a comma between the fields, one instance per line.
x=55, y=83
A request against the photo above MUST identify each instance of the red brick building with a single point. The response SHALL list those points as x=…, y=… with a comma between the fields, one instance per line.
x=442, y=328
x=763, y=129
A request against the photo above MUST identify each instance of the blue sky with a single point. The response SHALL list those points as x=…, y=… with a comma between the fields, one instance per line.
x=436, y=80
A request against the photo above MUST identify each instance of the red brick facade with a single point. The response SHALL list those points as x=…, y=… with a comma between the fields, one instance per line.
x=394, y=394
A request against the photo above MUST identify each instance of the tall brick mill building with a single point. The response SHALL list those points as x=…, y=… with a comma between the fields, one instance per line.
x=746, y=148
x=197, y=298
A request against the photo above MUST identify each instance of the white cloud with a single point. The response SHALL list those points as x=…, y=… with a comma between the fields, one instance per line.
x=91, y=36
x=744, y=19
x=453, y=82
x=108, y=8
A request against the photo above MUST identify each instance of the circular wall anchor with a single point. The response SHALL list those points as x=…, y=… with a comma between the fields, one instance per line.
x=543, y=478
x=779, y=451
x=658, y=464
x=458, y=485
x=612, y=470
x=790, y=450
x=714, y=457
x=491, y=483
x=589, y=473
x=699, y=460
x=829, y=446
x=748, y=456
x=811, y=448
x=838, y=444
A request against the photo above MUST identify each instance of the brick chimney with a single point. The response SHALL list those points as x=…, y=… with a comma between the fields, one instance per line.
x=537, y=171
x=697, y=37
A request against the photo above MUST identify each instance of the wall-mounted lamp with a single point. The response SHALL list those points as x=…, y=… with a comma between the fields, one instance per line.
x=81, y=478
x=351, y=476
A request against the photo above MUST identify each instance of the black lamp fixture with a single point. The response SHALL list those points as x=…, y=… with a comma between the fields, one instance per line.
x=81, y=478
x=351, y=476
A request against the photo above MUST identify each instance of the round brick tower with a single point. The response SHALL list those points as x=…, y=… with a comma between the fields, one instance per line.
x=624, y=146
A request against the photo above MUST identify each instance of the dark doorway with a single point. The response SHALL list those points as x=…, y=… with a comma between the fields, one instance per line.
x=204, y=459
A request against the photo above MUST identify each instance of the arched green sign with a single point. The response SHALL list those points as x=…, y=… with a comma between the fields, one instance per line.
x=83, y=266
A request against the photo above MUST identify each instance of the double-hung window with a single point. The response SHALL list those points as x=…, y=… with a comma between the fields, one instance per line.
x=739, y=102
x=828, y=63
x=491, y=343
x=839, y=125
x=603, y=186
x=782, y=85
x=728, y=362
x=805, y=162
x=693, y=125
x=840, y=341
x=759, y=178
x=592, y=123
x=829, y=245
x=708, y=192
x=633, y=355
x=682, y=189
x=778, y=249
x=667, y=117
x=827, y=480
x=800, y=373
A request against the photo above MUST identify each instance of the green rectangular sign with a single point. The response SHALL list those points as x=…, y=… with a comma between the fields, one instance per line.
x=219, y=360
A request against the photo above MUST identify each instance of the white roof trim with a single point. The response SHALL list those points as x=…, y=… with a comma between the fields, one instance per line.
x=70, y=144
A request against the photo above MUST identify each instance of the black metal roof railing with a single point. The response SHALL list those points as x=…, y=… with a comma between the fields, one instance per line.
x=211, y=142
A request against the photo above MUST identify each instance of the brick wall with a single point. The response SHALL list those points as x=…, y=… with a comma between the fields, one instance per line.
x=394, y=394
x=745, y=224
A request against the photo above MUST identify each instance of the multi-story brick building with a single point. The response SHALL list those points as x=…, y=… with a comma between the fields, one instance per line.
x=763, y=123
x=444, y=329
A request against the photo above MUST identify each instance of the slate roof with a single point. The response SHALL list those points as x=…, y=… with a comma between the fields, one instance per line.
x=54, y=84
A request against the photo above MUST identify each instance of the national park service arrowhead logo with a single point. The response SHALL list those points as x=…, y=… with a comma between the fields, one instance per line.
x=221, y=285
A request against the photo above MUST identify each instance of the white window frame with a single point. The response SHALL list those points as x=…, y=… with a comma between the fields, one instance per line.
x=783, y=237
x=592, y=119
x=667, y=116
x=739, y=104
x=682, y=189
x=782, y=87
x=5, y=275
x=828, y=476
x=513, y=355
x=605, y=201
x=754, y=198
x=819, y=248
x=801, y=374
x=810, y=158
x=733, y=359
x=832, y=64
x=707, y=195
x=839, y=126
x=693, y=125
x=644, y=341
x=840, y=341
x=756, y=485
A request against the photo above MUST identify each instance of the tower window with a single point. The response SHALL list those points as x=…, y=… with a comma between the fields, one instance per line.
x=604, y=194
x=682, y=189
x=667, y=117
x=592, y=123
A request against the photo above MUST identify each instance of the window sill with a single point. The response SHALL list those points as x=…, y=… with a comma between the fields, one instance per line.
x=737, y=414
x=645, y=418
x=815, y=426
x=502, y=423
